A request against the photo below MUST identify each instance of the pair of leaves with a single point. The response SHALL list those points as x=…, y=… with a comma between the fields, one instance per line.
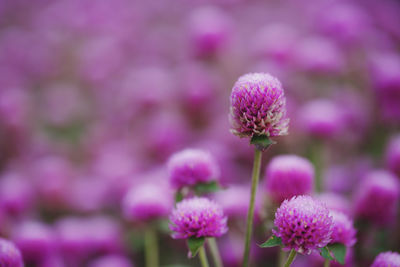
x=337, y=250
x=273, y=241
x=262, y=142
x=199, y=189
x=194, y=245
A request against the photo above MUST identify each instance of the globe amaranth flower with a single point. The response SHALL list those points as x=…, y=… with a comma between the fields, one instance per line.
x=377, y=197
x=387, y=259
x=303, y=224
x=335, y=202
x=287, y=176
x=343, y=230
x=146, y=202
x=198, y=217
x=9, y=254
x=192, y=166
x=111, y=260
x=258, y=106
x=392, y=155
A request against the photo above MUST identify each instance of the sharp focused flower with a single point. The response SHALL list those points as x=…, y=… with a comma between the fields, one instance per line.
x=258, y=106
x=387, y=259
x=288, y=176
x=343, y=230
x=198, y=217
x=377, y=198
x=303, y=224
x=9, y=254
x=192, y=166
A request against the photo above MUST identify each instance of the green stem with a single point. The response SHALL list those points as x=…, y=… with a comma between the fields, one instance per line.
x=282, y=257
x=203, y=257
x=317, y=160
x=151, y=247
x=212, y=244
x=327, y=263
x=291, y=257
x=250, y=214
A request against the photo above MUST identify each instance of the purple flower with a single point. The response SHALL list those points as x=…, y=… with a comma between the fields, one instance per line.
x=287, y=176
x=192, y=166
x=392, y=157
x=321, y=118
x=35, y=240
x=335, y=202
x=377, y=197
x=146, y=202
x=343, y=230
x=111, y=260
x=387, y=259
x=198, y=217
x=258, y=106
x=303, y=224
x=9, y=254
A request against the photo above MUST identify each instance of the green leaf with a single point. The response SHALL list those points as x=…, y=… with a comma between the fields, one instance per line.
x=262, y=142
x=325, y=253
x=339, y=251
x=178, y=196
x=194, y=245
x=273, y=241
x=204, y=188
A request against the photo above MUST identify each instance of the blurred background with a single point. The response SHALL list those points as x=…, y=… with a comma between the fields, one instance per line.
x=96, y=95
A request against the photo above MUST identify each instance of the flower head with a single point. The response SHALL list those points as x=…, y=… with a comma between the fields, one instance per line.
x=377, y=197
x=198, y=217
x=146, y=202
x=393, y=155
x=111, y=260
x=387, y=259
x=258, y=106
x=192, y=166
x=288, y=176
x=343, y=230
x=9, y=254
x=303, y=224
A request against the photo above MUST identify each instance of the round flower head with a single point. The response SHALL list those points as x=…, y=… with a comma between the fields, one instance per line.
x=335, y=202
x=387, y=259
x=343, y=230
x=9, y=254
x=303, y=224
x=377, y=197
x=147, y=202
x=198, y=217
x=288, y=176
x=190, y=167
x=393, y=155
x=258, y=106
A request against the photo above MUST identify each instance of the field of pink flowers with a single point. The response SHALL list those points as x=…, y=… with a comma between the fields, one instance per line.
x=178, y=133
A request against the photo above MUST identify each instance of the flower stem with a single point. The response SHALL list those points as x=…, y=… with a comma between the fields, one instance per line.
x=291, y=257
x=327, y=263
x=203, y=257
x=318, y=161
x=212, y=243
x=282, y=257
x=151, y=247
x=250, y=214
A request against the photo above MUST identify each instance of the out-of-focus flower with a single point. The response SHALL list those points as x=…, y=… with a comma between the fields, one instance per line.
x=192, y=166
x=198, y=217
x=303, y=224
x=258, y=106
x=392, y=155
x=148, y=201
x=387, y=259
x=209, y=30
x=287, y=176
x=335, y=202
x=342, y=230
x=111, y=260
x=235, y=206
x=9, y=254
x=35, y=240
x=321, y=118
x=377, y=197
